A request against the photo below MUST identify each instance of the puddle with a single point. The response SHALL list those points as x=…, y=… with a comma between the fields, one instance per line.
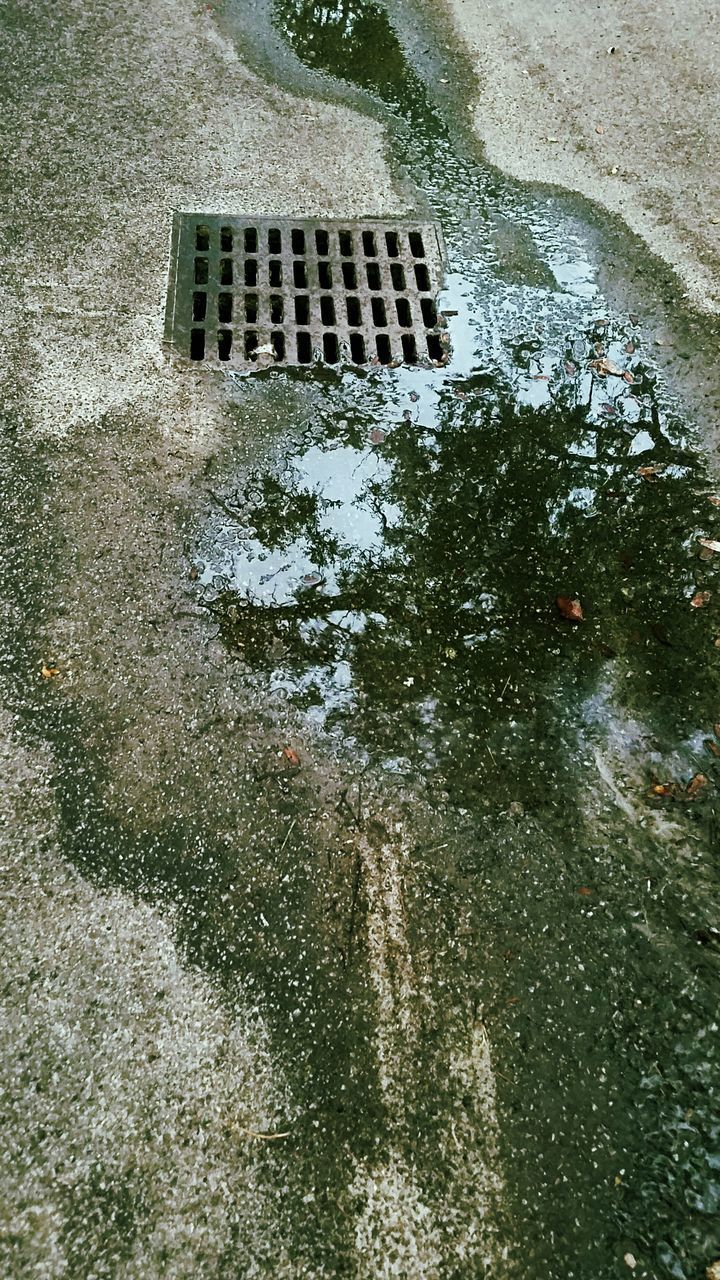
x=392, y=571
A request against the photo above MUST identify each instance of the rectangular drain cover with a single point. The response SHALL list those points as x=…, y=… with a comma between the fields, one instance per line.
x=249, y=292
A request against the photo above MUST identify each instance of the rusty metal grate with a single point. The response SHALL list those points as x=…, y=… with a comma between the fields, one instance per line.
x=250, y=292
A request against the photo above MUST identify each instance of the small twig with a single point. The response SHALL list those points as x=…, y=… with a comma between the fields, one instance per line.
x=491, y=754
x=287, y=837
x=234, y=515
x=266, y=1137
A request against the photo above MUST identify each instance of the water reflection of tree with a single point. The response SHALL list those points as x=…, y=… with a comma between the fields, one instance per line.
x=449, y=628
x=337, y=37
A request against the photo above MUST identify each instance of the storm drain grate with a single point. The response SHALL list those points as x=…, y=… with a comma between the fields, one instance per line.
x=248, y=292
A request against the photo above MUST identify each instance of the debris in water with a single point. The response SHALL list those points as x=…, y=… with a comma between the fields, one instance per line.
x=605, y=367
x=651, y=473
x=291, y=756
x=697, y=784
x=47, y=672
x=570, y=609
x=700, y=599
x=710, y=544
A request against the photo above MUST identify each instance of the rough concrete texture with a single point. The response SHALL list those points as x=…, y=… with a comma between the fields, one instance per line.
x=113, y=117
x=109, y=1051
x=619, y=103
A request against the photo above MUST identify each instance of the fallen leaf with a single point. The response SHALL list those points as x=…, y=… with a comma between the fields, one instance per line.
x=650, y=473
x=377, y=435
x=291, y=756
x=540, y=377
x=605, y=367
x=630, y=348
x=662, y=789
x=414, y=396
x=712, y=747
x=599, y=128
x=585, y=891
x=570, y=368
x=700, y=599
x=715, y=501
x=47, y=673
x=713, y=1271
x=609, y=410
x=628, y=377
x=571, y=610
x=709, y=543
x=716, y=731
x=696, y=784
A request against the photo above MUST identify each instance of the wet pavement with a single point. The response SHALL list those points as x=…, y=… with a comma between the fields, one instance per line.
x=447, y=856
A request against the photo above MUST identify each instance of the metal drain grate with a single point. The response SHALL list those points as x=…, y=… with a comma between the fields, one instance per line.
x=248, y=292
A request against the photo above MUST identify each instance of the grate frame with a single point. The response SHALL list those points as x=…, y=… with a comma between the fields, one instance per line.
x=248, y=292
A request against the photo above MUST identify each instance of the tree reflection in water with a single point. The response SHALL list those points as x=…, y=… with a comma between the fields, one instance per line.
x=417, y=609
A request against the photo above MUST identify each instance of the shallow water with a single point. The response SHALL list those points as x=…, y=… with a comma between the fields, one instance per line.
x=393, y=571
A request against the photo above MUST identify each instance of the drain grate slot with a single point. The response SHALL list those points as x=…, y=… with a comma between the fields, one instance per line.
x=246, y=291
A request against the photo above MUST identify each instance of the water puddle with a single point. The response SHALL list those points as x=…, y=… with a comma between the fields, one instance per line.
x=401, y=569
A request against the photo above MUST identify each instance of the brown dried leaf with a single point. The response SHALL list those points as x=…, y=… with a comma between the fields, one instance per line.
x=662, y=789
x=584, y=891
x=715, y=501
x=700, y=599
x=651, y=473
x=47, y=672
x=291, y=756
x=710, y=544
x=605, y=367
x=712, y=747
x=570, y=609
x=696, y=784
